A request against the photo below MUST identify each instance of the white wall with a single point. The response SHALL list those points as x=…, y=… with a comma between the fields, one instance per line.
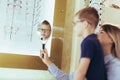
x=111, y=15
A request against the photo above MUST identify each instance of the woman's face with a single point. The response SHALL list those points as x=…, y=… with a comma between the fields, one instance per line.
x=104, y=38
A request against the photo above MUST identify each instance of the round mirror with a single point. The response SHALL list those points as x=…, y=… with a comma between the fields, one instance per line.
x=45, y=32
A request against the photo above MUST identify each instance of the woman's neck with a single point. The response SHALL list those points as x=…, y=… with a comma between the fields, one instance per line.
x=107, y=49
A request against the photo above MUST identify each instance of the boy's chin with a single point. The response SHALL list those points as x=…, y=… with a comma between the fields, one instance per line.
x=79, y=35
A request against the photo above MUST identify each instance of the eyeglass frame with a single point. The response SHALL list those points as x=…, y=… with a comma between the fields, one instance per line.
x=82, y=20
x=44, y=30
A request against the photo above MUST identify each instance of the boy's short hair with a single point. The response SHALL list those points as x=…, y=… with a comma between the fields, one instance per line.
x=90, y=14
x=46, y=23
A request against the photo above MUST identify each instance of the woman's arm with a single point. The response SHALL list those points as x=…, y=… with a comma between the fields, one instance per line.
x=53, y=69
x=58, y=74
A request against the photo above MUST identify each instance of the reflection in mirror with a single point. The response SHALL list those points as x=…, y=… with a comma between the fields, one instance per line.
x=45, y=30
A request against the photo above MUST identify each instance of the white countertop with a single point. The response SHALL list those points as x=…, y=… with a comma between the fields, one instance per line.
x=24, y=74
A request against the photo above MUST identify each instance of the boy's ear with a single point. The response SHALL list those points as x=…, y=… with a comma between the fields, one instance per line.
x=86, y=24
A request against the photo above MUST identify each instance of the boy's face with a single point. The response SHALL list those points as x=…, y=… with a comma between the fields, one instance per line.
x=45, y=31
x=79, y=26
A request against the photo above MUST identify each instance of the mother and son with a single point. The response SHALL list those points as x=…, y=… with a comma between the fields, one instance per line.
x=100, y=53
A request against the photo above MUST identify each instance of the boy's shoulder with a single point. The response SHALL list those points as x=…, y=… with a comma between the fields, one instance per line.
x=90, y=38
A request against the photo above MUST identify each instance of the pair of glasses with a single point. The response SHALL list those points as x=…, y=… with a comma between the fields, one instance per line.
x=82, y=20
x=78, y=20
x=44, y=30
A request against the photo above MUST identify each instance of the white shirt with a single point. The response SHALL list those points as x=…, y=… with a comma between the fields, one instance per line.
x=112, y=67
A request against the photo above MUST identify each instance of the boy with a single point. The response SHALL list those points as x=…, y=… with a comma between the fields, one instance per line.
x=91, y=64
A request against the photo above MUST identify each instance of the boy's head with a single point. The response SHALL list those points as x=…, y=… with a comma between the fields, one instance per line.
x=45, y=29
x=86, y=17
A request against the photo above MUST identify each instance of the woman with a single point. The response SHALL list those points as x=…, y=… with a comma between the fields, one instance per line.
x=109, y=38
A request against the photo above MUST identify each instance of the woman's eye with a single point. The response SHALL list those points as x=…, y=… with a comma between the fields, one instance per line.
x=101, y=32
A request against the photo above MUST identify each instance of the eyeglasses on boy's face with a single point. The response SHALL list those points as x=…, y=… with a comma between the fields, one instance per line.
x=44, y=30
x=78, y=20
x=81, y=20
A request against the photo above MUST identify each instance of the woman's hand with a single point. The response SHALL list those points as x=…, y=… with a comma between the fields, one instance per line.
x=44, y=57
